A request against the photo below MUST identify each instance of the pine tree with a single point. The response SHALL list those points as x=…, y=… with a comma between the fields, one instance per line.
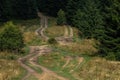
x=110, y=43
x=89, y=20
x=71, y=8
x=61, y=20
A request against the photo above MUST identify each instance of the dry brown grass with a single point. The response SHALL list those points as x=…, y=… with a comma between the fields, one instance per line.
x=99, y=69
x=9, y=69
x=76, y=32
x=29, y=36
x=55, y=31
x=86, y=46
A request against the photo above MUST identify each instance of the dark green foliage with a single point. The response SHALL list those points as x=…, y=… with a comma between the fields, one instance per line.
x=3, y=16
x=61, y=19
x=24, y=9
x=17, y=9
x=51, y=7
x=110, y=42
x=89, y=20
x=100, y=20
x=71, y=8
x=52, y=41
x=111, y=56
x=11, y=38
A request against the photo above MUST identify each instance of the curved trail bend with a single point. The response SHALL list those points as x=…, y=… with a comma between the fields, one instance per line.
x=35, y=52
x=44, y=25
x=67, y=38
x=33, y=61
x=30, y=71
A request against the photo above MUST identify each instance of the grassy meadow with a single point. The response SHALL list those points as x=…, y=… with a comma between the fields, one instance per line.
x=76, y=61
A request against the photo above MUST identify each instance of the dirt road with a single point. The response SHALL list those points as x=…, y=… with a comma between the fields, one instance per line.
x=44, y=25
x=36, y=51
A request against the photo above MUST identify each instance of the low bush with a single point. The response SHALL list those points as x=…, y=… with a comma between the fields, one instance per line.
x=52, y=41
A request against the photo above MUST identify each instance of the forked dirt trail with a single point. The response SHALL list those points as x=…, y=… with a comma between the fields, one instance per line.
x=30, y=71
x=66, y=38
x=36, y=51
x=46, y=72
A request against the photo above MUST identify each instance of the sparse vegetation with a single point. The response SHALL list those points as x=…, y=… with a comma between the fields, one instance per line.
x=81, y=46
x=62, y=63
x=101, y=69
x=55, y=31
x=11, y=69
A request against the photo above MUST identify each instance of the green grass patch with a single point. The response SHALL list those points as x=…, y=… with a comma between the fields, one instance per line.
x=31, y=78
x=22, y=74
x=57, y=59
x=34, y=67
x=51, y=22
x=55, y=62
x=35, y=41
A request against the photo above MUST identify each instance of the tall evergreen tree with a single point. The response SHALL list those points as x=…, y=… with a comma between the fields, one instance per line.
x=89, y=19
x=110, y=43
x=71, y=8
x=61, y=20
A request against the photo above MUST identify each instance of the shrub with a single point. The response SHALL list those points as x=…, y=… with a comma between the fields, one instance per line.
x=11, y=38
x=111, y=56
x=52, y=41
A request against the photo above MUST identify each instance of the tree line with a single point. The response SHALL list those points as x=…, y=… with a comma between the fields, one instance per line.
x=17, y=9
x=26, y=9
x=98, y=19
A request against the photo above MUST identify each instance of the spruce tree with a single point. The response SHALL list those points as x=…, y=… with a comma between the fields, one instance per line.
x=110, y=43
x=61, y=20
x=71, y=8
x=89, y=20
